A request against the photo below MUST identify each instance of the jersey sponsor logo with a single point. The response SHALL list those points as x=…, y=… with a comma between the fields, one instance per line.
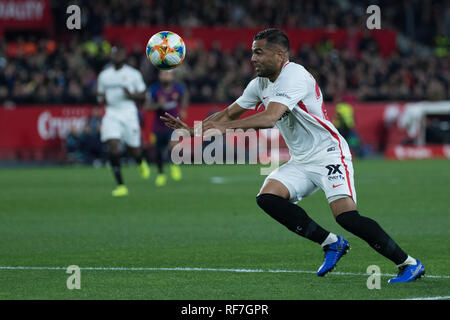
x=336, y=178
x=282, y=94
x=331, y=149
x=333, y=169
x=335, y=174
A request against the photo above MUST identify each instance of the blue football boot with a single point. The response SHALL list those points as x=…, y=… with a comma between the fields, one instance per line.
x=409, y=273
x=333, y=252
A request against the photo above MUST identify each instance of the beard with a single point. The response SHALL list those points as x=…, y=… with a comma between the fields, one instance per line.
x=264, y=72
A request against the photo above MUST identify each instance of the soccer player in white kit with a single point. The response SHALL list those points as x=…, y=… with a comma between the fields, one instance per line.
x=119, y=85
x=320, y=156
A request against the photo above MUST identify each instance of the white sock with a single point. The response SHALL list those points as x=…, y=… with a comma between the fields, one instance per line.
x=410, y=260
x=330, y=239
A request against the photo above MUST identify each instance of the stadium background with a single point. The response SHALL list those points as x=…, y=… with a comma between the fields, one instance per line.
x=48, y=73
x=395, y=79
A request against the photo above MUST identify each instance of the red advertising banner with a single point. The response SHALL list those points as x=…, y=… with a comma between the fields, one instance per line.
x=39, y=126
x=39, y=131
x=229, y=38
x=400, y=152
x=25, y=14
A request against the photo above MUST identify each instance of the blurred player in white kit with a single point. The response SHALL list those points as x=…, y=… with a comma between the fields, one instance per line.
x=118, y=86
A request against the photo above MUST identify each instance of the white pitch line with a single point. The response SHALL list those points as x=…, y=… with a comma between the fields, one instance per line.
x=205, y=269
x=429, y=298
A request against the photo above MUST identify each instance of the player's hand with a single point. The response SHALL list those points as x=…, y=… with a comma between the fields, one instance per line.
x=101, y=98
x=220, y=126
x=127, y=93
x=174, y=123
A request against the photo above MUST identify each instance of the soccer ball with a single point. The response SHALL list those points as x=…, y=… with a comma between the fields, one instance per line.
x=165, y=50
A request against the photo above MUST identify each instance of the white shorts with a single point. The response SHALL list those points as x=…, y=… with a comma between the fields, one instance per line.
x=331, y=174
x=125, y=128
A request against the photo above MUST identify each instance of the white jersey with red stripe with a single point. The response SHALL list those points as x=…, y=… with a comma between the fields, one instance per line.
x=305, y=127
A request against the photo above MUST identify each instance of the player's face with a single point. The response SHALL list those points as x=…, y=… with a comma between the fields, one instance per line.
x=265, y=59
x=118, y=55
x=166, y=76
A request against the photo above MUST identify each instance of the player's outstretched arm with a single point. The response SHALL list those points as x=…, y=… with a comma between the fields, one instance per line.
x=262, y=120
x=233, y=112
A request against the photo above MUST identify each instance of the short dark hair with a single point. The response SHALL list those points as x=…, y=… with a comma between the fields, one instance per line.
x=274, y=36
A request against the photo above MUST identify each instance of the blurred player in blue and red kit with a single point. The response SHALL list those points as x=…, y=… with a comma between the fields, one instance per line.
x=169, y=96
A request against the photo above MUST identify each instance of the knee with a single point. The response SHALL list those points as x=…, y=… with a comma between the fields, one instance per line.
x=261, y=200
x=135, y=152
x=114, y=154
x=113, y=149
x=267, y=200
x=341, y=205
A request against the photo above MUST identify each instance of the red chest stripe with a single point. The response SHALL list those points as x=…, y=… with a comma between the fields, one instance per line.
x=317, y=91
x=334, y=135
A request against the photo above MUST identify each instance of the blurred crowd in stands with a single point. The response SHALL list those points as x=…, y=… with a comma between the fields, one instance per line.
x=420, y=20
x=37, y=70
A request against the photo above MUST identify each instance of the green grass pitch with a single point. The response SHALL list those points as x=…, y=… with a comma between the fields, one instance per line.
x=56, y=217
